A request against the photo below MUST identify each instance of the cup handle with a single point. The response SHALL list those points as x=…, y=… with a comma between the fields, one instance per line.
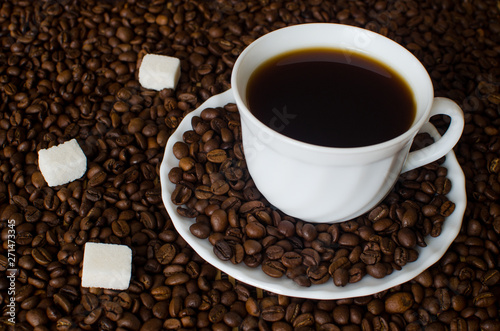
x=442, y=145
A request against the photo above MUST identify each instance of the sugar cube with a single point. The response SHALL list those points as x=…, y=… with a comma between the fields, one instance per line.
x=107, y=266
x=62, y=163
x=159, y=71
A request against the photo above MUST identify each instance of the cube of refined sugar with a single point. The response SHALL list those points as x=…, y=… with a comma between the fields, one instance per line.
x=106, y=266
x=63, y=163
x=159, y=71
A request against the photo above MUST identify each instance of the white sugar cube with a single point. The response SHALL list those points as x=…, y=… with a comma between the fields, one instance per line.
x=107, y=266
x=63, y=163
x=159, y=71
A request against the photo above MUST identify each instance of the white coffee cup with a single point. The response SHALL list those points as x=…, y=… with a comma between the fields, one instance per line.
x=326, y=184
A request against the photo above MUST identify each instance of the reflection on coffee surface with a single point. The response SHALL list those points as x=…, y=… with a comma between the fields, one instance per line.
x=331, y=97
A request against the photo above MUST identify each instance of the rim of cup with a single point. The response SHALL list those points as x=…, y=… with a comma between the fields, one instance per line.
x=423, y=107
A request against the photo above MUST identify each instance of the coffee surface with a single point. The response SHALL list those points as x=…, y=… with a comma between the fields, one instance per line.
x=331, y=98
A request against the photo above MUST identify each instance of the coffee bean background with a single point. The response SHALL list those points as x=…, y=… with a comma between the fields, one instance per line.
x=68, y=69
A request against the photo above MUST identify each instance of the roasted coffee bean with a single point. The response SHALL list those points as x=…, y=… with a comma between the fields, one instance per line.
x=485, y=299
x=120, y=228
x=219, y=220
x=398, y=302
x=181, y=195
x=36, y=317
x=348, y=239
x=341, y=314
x=161, y=293
x=273, y=313
x=216, y=314
x=41, y=256
x=407, y=238
x=274, y=252
x=255, y=230
x=222, y=250
x=318, y=274
x=401, y=256
x=356, y=272
x=200, y=230
x=90, y=301
x=129, y=321
x=370, y=256
x=166, y=253
x=491, y=278
x=291, y=259
x=377, y=270
x=252, y=247
x=274, y=269
x=340, y=277
x=216, y=156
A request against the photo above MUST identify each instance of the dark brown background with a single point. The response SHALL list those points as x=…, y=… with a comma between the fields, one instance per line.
x=68, y=70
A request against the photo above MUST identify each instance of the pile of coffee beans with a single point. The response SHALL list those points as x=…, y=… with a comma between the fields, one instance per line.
x=213, y=186
x=68, y=69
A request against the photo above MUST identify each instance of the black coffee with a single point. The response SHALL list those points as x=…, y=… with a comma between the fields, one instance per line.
x=331, y=98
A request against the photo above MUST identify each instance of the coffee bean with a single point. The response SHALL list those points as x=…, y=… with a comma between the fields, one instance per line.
x=251, y=207
x=401, y=256
x=485, y=299
x=341, y=314
x=377, y=270
x=491, y=278
x=41, y=256
x=203, y=192
x=274, y=269
x=348, y=239
x=255, y=230
x=443, y=185
x=274, y=252
x=220, y=187
x=318, y=274
x=291, y=259
x=98, y=179
x=36, y=317
x=310, y=257
x=90, y=301
x=340, y=277
x=407, y=238
x=166, y=253
x=152, y=324
x=447, y=208
x=200, y=230
x=216, y=314
x=63, y=302
x=410, y=217
x=370, y=256
x=222, y=250
x=378, y=213
x=216, y=156
x=356, y=272
x=181, y=195
x=218, y=220
x=129, y=321
x=120, y=228
x=398, y=303
x=273, y=313
x=180, y=150
x=161, y=293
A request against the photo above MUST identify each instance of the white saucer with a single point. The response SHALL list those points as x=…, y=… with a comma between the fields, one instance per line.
x=435, y=249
